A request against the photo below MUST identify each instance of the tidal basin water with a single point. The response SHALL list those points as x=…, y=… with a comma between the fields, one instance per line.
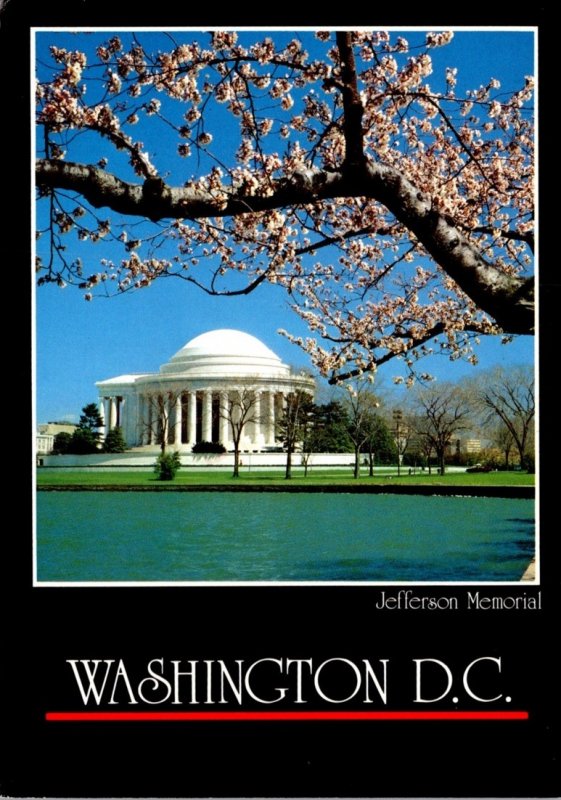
x=122, y=536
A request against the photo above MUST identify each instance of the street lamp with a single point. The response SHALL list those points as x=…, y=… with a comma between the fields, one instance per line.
x=397, y=415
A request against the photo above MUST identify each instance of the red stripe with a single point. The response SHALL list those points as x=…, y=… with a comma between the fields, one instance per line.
x=276, y=716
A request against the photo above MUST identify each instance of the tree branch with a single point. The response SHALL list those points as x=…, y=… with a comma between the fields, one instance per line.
x=515, y=235
x=354, y=373
x=352, y=104
x=231, y=292
x=328, y=240
x=508, y=299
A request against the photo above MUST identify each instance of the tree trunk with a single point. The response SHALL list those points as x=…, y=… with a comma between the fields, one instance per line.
x=521, y=448
x=288, y=473
x=236, y=461
x=356, y=471
x=371, y=463
x=163, y=434
x=441, y=462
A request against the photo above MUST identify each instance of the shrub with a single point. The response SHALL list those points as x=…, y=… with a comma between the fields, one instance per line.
x=114, y=442
x=208, y=447
x=167, y=465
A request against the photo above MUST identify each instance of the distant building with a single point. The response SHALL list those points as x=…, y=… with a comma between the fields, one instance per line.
x=193, y=388
x=470, y=446
x=46, y=433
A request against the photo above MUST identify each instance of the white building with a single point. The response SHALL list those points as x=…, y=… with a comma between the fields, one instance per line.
x=191, y=392
x=45, y=437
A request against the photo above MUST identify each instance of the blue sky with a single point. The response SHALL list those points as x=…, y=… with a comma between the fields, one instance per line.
x=79, y=343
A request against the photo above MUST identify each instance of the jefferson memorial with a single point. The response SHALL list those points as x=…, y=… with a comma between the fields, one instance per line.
x=190, y=395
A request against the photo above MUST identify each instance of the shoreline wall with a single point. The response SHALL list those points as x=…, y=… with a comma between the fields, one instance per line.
x=515, y=492
x=145, y=460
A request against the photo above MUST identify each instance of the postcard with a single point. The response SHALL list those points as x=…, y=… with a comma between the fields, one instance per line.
x=287, y=532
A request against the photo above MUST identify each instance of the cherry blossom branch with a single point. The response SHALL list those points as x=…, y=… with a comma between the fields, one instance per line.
x=329, y=240
x=379, y=361
x=507, y=298
x=517, y=236
x=352, y=104
x=429, y=99
x=229, y=292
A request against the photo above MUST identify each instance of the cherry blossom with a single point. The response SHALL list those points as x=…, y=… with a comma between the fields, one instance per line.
x=397, y=217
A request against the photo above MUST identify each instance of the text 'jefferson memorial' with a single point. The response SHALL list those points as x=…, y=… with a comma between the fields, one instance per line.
x=188, y=397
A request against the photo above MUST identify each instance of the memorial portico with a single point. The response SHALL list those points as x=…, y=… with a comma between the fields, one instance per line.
x=193, y=395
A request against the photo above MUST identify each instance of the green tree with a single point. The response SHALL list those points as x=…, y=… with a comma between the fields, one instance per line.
x=85, y=439
x=329, y=429
x=114, y=441
x=91, y=420
x=83, y=442
x=61, y=443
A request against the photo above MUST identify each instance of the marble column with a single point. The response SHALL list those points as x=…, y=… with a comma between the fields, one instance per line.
x=192, y=418
x=139, y=433
x=257, y=419
x=103, y=416
x=178, y=420
x=150, y=420
x=120, y=410
x=112, y=412
x=271, y=418
x=224, y=426
x=207, y=417
x=107, y=414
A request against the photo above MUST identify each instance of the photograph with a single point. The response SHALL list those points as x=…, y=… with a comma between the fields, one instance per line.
x=285, y=306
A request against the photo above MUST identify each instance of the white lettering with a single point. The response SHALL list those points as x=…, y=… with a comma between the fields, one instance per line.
x=249, y=690
x=418, y=665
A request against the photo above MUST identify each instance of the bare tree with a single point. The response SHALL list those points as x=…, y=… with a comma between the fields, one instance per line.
x=378, y=439
x=424, y=442
x=293, y=425
x=502, y=437
x=509, y=396
x=402, y=434
x=361, y=406
x=158, y=414
x=443, y=412
x=239, y=408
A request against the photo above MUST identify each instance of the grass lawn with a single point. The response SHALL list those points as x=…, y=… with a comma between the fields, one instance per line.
x=59, y=477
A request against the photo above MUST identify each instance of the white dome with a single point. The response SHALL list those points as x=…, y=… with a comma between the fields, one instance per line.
x=225, y=352
x=227, y=342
